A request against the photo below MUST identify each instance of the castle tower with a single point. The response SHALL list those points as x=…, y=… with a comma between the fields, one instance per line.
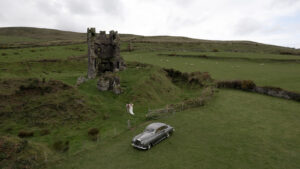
x=103, y=53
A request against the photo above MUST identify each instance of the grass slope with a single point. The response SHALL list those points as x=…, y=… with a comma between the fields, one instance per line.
x=19, y=153
x=15, y=34
x=145, y=85
x=253, y=132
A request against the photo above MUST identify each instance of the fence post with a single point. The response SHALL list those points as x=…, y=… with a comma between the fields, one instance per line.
x=128, y=124
x=45, y=155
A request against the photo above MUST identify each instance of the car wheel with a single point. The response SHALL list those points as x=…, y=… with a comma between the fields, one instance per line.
x=149, y=147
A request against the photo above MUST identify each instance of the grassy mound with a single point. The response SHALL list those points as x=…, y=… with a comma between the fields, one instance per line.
x=154, y=87
x=193, y=79
x=40, y=103
x=18, y=153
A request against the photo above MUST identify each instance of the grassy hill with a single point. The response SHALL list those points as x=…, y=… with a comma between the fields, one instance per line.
x=30, y=34
x=14, y=34
x=234, y=129
x=12, y=37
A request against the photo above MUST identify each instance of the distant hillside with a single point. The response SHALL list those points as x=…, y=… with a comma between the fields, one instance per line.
x=11, y=37
x=25, y=34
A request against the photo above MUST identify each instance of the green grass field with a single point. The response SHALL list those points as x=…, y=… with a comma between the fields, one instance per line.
x=253, y=132
x=284, y=75
x=243, y=55
x=234, y=129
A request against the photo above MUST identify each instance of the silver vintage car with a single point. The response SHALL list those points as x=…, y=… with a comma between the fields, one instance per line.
x=153, y=134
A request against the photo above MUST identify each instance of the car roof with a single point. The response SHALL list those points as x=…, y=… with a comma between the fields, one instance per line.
x=155, y=125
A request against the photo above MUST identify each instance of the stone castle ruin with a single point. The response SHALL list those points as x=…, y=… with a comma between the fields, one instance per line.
x=103, y=53
x=104, y=59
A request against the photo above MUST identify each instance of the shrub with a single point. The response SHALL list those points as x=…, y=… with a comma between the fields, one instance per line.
x=93, y=134
x=44, y=132
x=23, y=134
x=34, y=84
x=247, y=85
x=206, y=76
x=227, y=84
x=215, y=50
x=61, y=146
x=93, y=131
x=237, y=84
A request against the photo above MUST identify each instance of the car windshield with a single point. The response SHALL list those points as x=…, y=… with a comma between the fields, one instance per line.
x=149, y=130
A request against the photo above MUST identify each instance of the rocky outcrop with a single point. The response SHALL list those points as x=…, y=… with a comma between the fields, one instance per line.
x=81, y=80
x=248, y=85
x=109, y=82
x=277, y=92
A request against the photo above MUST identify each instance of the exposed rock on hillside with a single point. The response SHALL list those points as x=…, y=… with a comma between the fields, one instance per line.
x=109, y=81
